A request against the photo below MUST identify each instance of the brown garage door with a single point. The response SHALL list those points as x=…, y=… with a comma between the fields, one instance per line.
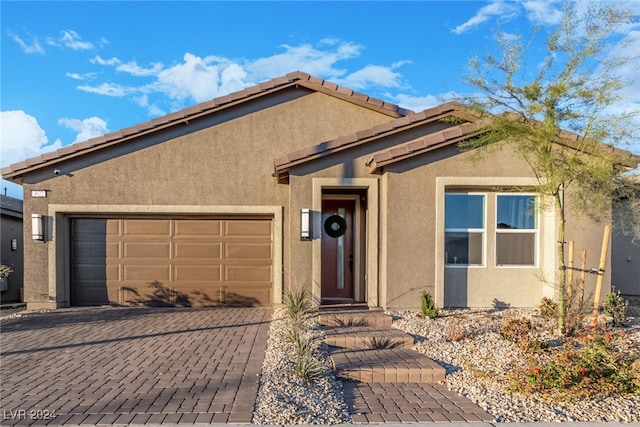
x=185, y=262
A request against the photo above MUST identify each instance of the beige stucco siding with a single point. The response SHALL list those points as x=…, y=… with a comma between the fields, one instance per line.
x=227, y=162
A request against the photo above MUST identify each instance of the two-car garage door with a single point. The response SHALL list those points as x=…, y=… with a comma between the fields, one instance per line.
x=171, y=261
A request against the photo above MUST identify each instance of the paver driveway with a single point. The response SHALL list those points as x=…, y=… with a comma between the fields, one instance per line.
x=132, y=365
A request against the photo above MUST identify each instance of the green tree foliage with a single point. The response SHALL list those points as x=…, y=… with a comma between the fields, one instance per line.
x=559, y=115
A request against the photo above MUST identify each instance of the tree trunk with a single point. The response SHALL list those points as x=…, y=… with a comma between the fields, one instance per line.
x=562, y=283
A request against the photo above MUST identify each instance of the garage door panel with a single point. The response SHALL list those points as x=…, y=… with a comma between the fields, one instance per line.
x=197, y=250
x=197, y=273
x=84, y=272
x=248, y=228
x=243, y=273
x=183, y=262
x=147, y=272
x=197, y=228
x=90, y=250
x=147, y=228
x=113, y=272
x=113, y=249
x=147, y=250
x=236, y=250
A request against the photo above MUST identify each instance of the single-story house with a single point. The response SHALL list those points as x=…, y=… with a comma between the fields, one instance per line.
x=11, y=250
x=294, y=182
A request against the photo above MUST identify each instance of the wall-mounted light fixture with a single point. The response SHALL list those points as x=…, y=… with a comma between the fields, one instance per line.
x=305, y=224
x=14, y=244
x=37, y=227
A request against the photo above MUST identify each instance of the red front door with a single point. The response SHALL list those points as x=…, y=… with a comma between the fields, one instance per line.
x=337, y=250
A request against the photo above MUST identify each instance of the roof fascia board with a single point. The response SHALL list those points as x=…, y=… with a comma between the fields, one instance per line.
x=282, y=171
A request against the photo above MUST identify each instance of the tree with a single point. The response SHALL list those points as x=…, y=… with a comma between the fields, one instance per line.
x=561, y=119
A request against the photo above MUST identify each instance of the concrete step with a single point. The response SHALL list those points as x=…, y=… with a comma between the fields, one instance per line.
x=385, y=366
x=367, y=337
x=359, y=317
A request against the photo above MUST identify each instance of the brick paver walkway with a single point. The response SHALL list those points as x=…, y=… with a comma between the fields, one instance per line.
x=132, y=365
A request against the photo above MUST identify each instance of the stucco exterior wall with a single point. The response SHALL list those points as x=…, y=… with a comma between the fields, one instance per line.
x=227, y=161
x=414, y=235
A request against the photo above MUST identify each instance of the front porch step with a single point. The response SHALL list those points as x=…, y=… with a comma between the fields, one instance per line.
x=354, y=317
x=367, y=337
x=385, y=366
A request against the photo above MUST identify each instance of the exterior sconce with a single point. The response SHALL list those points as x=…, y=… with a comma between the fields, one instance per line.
x=14, y=244
x=305, y=224
x=37, y=227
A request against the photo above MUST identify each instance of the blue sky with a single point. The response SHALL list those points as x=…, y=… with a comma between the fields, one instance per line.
x=74, y=70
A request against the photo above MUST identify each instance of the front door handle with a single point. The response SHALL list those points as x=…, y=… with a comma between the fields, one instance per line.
x=351, y=263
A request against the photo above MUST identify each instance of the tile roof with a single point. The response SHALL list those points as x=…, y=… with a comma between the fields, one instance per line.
x=11, y=206
x=433, y=141
x=284, y=163
x=297, y=78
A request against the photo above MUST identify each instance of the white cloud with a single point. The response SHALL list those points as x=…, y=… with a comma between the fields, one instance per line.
x=33, y=47
x=503, y=10
x=21, y=138
x=135, y=70
x=373, y=75
x=419, y=103
x=543, y=12
x=108, y=89
x=99, y=60
x=194, y=79
x=72, y=40
x=87, y=128
x=305, y=57
x=85, y=76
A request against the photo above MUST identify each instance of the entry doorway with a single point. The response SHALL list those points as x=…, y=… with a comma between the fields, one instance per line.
x=342, y=245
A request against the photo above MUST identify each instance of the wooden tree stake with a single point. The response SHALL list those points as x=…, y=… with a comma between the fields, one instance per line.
x=603, y=260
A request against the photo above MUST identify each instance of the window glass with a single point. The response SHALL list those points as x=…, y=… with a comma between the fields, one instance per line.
x=464, y=248
x=464, y=229
x=516, y=230
x=515, y=212
x=464, y=211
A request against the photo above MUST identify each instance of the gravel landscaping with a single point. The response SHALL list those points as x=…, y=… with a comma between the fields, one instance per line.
x=477, y=367
x=478, y=364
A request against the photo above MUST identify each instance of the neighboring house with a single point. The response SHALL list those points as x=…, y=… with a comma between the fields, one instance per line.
x=293, y=182
x=11, y=250
x=625, y=254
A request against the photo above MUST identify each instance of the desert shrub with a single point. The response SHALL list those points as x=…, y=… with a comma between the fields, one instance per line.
x=455, y=332
x=585, y=366
x=548, y=308
x=616, y=307
x=427, y=305
x=515, y=330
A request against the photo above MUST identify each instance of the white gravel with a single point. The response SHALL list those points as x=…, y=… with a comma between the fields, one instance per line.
x=477, y=365
x=286, y=398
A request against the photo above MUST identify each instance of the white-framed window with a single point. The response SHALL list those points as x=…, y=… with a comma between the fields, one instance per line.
x=464, y=229
x=516, y=230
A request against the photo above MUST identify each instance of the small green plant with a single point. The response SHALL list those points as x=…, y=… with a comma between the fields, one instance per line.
x=616, y=307
x=548, y=308
x=298, y=304
x=428, y=306
x=5, y=271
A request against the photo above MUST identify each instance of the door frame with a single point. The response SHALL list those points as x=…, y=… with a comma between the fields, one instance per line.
x=368, y=289
x=358, y=217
